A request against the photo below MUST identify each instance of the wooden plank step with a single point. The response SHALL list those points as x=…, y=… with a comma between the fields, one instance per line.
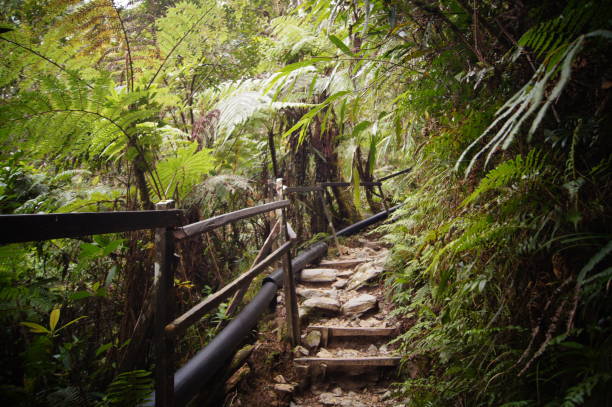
x=374, y=361
x=339, y=331
x=342, y=264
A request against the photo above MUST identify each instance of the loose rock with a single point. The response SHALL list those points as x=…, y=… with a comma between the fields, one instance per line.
x=284, y=388
x=301, y=351
x=341, y=283
x=313, y=293
x=329, y=399
x=360, y=304
x=313, y=339
x=363, y=274
x=368, y=323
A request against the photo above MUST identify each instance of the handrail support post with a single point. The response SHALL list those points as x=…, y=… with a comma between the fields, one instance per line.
x=163, y=288
x=383, y=198
x=293, y=318
x=328, y=216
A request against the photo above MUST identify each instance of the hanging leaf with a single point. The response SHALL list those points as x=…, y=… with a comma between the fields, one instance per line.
x=356, y=191
x=360, y=127
x=54, y=318
x=35, y=328
x=341, y=45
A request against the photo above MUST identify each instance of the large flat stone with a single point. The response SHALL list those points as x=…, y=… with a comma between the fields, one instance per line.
x=313, y=293
x=322, y=303
x=318, y=275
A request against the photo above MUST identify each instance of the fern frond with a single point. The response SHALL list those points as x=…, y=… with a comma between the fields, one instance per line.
x=577, y=395
x=179, y=173
x=508, y=172
x=130, y=388
x=531, y=99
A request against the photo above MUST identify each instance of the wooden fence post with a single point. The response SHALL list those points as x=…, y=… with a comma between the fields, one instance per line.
x=328, y=216
x=163, y=285
x=382, y=198
x=293, y=318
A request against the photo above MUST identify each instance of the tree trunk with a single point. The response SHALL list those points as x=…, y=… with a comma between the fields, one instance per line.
x=328, y=168
x=365, y=176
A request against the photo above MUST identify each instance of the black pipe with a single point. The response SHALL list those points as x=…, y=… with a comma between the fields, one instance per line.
x=189, y=379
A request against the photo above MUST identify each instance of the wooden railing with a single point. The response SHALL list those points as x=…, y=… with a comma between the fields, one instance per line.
x=27, y=228
x=168, y=328
x=169, y=229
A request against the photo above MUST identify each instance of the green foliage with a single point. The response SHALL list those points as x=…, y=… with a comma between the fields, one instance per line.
x=129, y=389
x=560, y=41
x=502, y=276
x=508, y=172
x=179, y=174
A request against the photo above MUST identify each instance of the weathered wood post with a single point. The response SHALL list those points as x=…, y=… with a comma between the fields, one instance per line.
x=293, y=318
x=382, y=197
x=328, y=216
x=163, y=289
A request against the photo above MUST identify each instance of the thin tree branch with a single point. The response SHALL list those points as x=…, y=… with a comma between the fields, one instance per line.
x=127, y=45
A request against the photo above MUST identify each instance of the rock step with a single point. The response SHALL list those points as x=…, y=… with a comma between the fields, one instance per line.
x=373, y=361
x=317, y=275
x=347, y=331
x=342, y=264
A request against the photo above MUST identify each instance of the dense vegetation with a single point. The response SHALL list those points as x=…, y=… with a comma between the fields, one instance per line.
x=501, y=253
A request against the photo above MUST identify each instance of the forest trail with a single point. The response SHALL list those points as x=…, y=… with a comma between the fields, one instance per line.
x=345, y=358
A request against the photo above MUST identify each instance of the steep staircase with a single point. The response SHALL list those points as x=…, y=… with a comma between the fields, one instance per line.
x=345, y=358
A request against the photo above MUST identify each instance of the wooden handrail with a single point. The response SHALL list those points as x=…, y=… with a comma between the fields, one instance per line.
x=321, y=186
x=348, y=184
x=222, y=220
x=303, y=189
x=214, y=300
x=36, y=227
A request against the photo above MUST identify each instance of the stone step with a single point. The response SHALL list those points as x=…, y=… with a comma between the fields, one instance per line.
x=342, y=264
x=318, y=275
x=363, y=361
x=346, y=331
